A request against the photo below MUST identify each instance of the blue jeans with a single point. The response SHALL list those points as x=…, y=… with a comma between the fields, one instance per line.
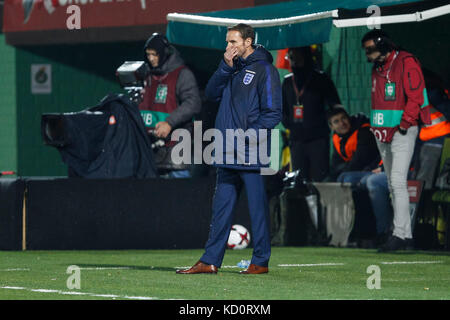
x=176, y=174
x=352, y=177
x=377, y=187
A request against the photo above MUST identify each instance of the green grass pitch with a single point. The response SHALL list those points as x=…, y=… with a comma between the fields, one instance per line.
x=296, y=273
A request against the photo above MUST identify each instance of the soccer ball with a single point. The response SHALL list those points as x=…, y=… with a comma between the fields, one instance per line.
x=239, y=237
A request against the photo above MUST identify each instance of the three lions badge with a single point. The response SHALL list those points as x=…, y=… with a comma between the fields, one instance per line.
x=249, y=75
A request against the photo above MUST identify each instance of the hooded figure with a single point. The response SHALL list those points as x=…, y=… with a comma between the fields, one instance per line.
x=162, y=48
x=171, y=98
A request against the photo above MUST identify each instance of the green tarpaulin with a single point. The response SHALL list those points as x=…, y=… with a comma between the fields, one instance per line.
x=287, y=24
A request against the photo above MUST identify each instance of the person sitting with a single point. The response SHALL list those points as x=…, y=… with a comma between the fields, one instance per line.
x=427, y=151
x=355, y=156
x=355, y=147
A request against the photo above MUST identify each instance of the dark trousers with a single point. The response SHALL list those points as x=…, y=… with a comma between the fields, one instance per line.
x=228, y=186
x=312, y=158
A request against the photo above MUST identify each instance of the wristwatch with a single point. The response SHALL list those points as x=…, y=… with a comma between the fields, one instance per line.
x=402, y=131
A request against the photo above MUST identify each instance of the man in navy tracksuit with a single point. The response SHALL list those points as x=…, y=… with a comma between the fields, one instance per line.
x=249, y=90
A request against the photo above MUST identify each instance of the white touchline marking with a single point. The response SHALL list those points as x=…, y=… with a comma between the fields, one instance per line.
x=107, y=295
x=106, y=268
x=78, y=293
x=286, y=265
x=140, y=298
x=412, y=279
x=73, y=293
x=311, y=265
x=15, y=269
x=44, y=290
x=230, y=267
x=222, y=267
x=410, y=262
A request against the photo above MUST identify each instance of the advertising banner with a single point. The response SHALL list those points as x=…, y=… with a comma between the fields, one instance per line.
x=34, y=15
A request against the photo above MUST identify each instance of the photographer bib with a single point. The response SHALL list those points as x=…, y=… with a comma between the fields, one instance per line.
x=159, y=99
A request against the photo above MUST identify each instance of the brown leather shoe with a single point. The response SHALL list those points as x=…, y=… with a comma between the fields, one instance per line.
x=254, y=269
x=199, y=267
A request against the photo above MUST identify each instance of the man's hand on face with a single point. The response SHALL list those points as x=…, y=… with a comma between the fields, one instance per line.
x=162, y=129
x=229, y=55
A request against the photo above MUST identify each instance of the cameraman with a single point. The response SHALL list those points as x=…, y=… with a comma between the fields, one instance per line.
x=170, y=100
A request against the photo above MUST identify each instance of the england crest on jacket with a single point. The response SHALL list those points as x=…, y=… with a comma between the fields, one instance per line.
x=248, y=76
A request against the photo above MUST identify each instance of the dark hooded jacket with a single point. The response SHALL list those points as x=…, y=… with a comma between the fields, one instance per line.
x=250, y=98
x=187, y=98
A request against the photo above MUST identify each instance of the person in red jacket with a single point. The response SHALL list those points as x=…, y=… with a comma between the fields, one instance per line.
x=399, y=103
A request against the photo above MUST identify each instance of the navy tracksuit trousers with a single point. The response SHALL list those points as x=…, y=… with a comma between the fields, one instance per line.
x=228, y=186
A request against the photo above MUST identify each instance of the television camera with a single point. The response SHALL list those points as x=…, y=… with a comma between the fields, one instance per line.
x=131, y=76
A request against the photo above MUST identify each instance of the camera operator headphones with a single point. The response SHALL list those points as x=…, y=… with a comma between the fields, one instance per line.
x=383, y=44
x=164, y=40
x=382, y=41
x=162, y=46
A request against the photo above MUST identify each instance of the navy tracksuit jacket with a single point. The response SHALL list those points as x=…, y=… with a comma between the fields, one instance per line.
x=250, y=98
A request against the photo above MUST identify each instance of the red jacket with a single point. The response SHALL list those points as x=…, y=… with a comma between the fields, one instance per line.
x=398, y=91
